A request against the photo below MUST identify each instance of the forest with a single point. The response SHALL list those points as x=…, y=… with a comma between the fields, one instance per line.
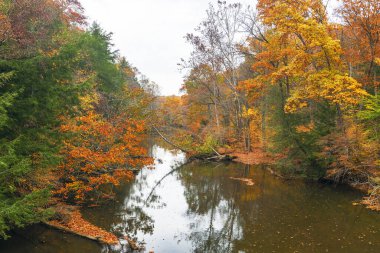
x=280, y=84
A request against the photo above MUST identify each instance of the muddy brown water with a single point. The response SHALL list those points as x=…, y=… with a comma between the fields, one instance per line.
x=199, y=208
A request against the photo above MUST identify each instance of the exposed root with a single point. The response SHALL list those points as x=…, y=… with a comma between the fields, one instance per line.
x=373, y=200
x=359, y=180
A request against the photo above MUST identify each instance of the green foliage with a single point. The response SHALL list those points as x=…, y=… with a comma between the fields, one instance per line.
x=372, y=109
x=12, y=166
x=209, y=145
x=297, y=135
x=18, y=209
x=6, y=99
x=42, y=80
x=103, y=59
x=21, y=211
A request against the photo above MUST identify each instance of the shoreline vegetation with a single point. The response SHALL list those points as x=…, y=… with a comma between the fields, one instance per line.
x=70, y=219
x=332, y=176
x=259, y=157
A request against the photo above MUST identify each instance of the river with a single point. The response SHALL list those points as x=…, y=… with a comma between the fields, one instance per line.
x=199, y=208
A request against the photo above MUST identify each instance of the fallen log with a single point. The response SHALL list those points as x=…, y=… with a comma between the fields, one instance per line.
x=211, y=157
x=221, y=158
x=218, y=156
x=170, y=142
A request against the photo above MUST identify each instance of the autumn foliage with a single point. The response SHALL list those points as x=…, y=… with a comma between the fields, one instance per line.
x=73, y=112
x=100, y=152
x=286, y=82
x=71, y=220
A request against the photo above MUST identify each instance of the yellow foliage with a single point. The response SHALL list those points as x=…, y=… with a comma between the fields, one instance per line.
x=89, y=100
x=301, y=54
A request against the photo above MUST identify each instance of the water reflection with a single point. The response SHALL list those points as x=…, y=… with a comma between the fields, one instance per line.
x=199, y=208
x=215, y=219
x=145, y=207
x=273, y=215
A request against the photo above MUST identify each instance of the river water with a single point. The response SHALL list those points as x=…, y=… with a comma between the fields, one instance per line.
x=199, y=208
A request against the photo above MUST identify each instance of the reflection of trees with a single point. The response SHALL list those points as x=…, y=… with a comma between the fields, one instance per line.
x=229, y=216
x=131, y=216
x=226, y=215
x=126, y=216
x=214, y=199
x=136, y=198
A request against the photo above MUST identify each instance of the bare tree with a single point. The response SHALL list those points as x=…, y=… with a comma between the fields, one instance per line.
x=217, y=45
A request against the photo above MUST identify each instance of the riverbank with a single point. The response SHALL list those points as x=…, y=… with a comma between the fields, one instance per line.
x=368, y=183
x=69, y=219
x=354, y=179
x=173, y=212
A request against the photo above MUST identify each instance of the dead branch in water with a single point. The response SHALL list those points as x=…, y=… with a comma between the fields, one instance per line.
x=247, y=181
x=169, y=142
x=160, y=181
x=218, y=156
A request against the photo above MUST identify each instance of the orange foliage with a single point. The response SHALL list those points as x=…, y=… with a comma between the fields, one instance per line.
x=253, y=88
x=79, y=226
x=100, y=152
x=362, y=37
x=299, y=53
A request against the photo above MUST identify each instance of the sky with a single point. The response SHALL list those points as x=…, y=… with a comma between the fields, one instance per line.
x=150, y=33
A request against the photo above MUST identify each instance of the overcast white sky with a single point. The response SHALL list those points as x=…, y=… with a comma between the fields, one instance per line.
x=150, y=33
